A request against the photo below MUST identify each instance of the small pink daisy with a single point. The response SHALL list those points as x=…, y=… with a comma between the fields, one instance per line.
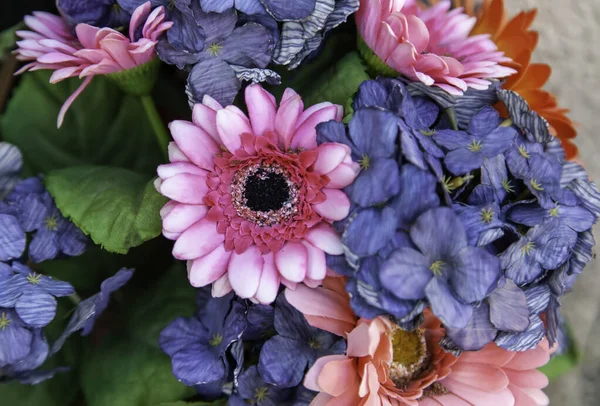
x=253, y=199
x=431, y=45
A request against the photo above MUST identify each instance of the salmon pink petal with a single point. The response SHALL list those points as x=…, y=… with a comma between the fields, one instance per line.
x=312, y=376
x=262, y=109
x=287, y=116
x=538, y=396
x=324, y=236
x=337, y=376
x=196, y=144
x=528, y=379
x=269, y=281
x=230, y=126
x=182, y=216
x=185, y=188
x=479, y=397
x=448, y=400
x=209, y=268
x=336, y=206
x=321, y=302
x=292, y=261
x=521, y=397
x=317, y=264
x=305, y=136
x=531, y=359
x=245, y=271
x=484, y=377
x=198, y=240
x=337, y=327
x=363, y=341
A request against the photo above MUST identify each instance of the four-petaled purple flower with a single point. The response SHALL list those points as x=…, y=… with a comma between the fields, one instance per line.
x=444, y=269
x=99, y=13
x=285, y=358
x=32, y=295
x=253, y=389
x=198, y=346
x=485, y=138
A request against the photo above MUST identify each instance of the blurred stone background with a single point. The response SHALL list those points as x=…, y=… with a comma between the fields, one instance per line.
x=569, y=37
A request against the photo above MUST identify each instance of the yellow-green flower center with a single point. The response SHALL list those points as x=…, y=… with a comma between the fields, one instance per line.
x=215, y=49
x=523, y=151
x=528, y=248
x=487, y=215
x=554, y=212
x=4, y=321
x=409, y=354
x=437, y=267
x=314, y=344
x=260, y=394
x=507, y=185
x=51, y=222
x=34, y=278
x=216, y=340
x=536, y=185
x=475, y=146
x=365, y=162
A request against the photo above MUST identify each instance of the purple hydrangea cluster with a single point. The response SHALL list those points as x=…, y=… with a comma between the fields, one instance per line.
x=32, y=229
x=207, y=350
x=484, y=222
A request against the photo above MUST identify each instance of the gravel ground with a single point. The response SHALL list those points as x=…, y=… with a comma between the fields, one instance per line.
x=569, y=34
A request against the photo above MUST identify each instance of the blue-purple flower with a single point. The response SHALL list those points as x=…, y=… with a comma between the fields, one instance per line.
x=99, y=13
x=37, y=213
x=198, y=346
x=11, y=164
x=485, y=138
x=442, y=268
x=253, y=389
x=286, y=357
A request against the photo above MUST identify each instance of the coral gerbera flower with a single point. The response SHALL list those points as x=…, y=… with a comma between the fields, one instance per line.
x=253, y=199
x=516, y=39
x=385, y=365
x=428, y=45
x=95, y=51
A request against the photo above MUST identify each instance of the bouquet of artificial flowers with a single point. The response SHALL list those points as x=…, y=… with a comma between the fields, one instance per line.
x=364, y=202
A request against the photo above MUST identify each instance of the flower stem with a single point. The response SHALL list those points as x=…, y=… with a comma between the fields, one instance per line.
x=157, y=125
x=75, y=299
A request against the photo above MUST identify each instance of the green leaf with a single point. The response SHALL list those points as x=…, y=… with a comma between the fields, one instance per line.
x=130, y=369
x=561, y=364
x=103, y=126
x=117, y=208
x=8, y=38
x=338, y=83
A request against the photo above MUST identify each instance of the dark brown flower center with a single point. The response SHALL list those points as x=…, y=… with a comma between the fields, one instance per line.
x=264, y=194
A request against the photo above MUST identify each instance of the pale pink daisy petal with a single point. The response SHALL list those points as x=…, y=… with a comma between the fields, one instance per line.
x=197, y=145
x=207, y=269
x=262, y=109
x=292, y=261
x=244, y=272
x=198, y=240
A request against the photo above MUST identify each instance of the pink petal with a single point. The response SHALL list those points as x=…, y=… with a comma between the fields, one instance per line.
x=104, y=67
x=337, y=327
x=316, y=107
x=403, y=56
x=269, y=282
x=183, y=216
x=221, y=286
x=491, y=354
x=292, y=261
x=323, y=236
x=206, y=118
x=521, y=397
x=92, y=55
x=387, y=41
x=61, y=74
x=197, y=145
x=139, y=15
x=175, y=154
x=86, y=34
x=317, y=264
x=322, y=303
x=368, y=20
x=305, y=136
x=363, y=341
x=484, y=377
x=198, y=240
x=212, y=103
x=185, y=188
x=245, y=271
x=312, y=376
x=172, y=169
x=287, y=116
x=343, y=175
x=58, y=45
x=209, y=268
x=537, y=395
x=336, y=207
x=262, y=109
x=70, y=100
x=230, y=126
x=449, y=400
x=535, y=358
x=479, y=397
x=418, y=34
x=337, y=376
x=526, y=379
x=119, y=51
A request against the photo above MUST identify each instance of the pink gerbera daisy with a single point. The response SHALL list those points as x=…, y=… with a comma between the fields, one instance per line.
x=253, y=199
x=95, y=51
x=430, y=45
x=385, y=365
